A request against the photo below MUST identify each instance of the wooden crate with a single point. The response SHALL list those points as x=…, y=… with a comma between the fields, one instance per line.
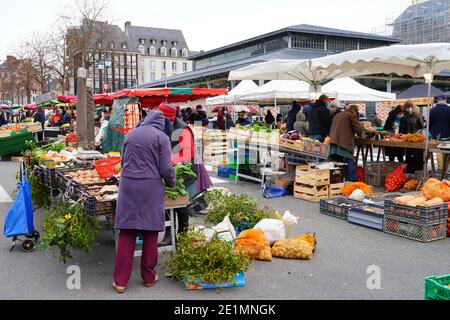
x=291, y=144
x=180, y=201
x=336, y=190
x=312, y=177
x=311, y=193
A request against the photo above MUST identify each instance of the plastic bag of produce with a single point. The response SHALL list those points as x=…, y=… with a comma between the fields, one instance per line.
x=396, y=179
x=274, y=229
x=301, y=248
x=225, y=231
x=436, y=189
x=254, y=244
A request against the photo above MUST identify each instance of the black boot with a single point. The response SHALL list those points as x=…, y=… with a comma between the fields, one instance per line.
x=167, y=240
x=183, y=221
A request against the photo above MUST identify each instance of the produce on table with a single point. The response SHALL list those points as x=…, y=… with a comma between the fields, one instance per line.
x=412, y=185
x=254, y=245
x=434, y=202
x=348, y=190
x=396, y=179
x=418, y=137
x=68, y=228
x=404, y=199
x=434, y=188
x=104, y=193
x=212, y=261
x=85, y=177
x=182, y=172
x=417, y=202
x=301, y=247
x=327, y=141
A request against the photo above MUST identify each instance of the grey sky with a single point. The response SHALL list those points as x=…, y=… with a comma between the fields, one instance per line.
x=207, y=24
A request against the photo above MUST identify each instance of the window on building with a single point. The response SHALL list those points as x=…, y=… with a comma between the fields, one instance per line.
x=338, y=44
x=174, y=66
x=163, y=52
x=174, y=52
x=175, y=43
x=141, y=49
x=163, y=65
x=184, y=53
x=152, y=51
x=152, y=65
x=152, y=76
x=163, y=75
x=185, y=66
x=99, y=44
x=164, y=43
x=124, y=46
x=308, y=41
x=112, y=45
x=142, y=41
x=276, y=44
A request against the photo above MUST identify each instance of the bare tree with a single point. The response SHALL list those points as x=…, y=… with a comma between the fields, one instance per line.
x=59, y=64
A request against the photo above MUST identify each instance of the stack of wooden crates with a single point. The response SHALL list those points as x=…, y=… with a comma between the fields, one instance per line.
x=315, y=184
x=215, y=148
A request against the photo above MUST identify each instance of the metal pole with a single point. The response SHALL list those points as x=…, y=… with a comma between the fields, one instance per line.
x=427, y=138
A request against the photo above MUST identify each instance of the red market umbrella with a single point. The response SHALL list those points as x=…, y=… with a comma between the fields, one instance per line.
x=5, y=107
x=31, y=107
x=104, y=99
x=151, y=98
x=216, y=109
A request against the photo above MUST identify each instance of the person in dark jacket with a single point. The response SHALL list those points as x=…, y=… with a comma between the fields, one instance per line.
x=411, y=124
x=320, y=119
x=2, y=119
x=440, y=120
x=342, y=135
x=391, y=126
x=146, y=161
x=307, y=110
x=269, y=119
x=243, y=119
x=39, y=116
x=292, y=116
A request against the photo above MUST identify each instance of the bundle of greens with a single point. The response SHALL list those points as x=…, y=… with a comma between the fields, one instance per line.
x=210, y=262
x=67, y=229
x=182, y=173
x=243, y=211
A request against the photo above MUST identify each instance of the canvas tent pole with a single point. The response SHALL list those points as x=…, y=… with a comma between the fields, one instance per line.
x=427, y=133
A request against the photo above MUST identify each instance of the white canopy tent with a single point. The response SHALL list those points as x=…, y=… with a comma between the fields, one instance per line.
x=417, y=61
x=349, y=90
x=280, y=91
x=246, y=86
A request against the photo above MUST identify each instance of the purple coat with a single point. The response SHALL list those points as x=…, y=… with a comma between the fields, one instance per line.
x=146, y=161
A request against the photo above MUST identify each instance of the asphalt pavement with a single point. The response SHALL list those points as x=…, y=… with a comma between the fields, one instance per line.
x=338, y=270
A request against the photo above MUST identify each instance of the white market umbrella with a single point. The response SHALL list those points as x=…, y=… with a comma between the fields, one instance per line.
x=349, y=90
x=279, y=91
x=245, y=86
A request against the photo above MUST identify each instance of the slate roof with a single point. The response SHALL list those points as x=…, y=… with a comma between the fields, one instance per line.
x=227, y=67
x=422, y=9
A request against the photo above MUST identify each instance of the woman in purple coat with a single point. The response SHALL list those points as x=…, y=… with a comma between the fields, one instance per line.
x=146, y=161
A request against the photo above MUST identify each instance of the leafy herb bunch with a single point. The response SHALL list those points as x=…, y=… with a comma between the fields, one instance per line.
x=68, y=228
x=182, y=172
x=210, y=262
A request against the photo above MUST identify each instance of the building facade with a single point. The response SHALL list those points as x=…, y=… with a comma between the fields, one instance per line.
x=424, y=22
x=121, y=59
x=18, y=83
x=211, y=68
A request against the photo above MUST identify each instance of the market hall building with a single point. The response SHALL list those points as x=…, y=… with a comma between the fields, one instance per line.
x=211, y=68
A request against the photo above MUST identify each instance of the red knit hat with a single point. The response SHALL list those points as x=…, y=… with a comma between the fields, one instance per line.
x=169, y=110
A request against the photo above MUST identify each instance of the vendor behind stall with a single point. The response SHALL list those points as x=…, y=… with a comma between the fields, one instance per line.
x=146, y=161
x=343, y=129
x=39, y=116
x=412, y=124
x=392, y=127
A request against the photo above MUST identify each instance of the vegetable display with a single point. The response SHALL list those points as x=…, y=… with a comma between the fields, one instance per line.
x=182, y=172
x=210, y=262
x=348, y=190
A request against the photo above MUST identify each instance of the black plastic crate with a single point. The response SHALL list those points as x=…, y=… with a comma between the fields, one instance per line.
x=337, y=207
x=198, y=204
x=423, y=214
x=39, y=172
x=414, y=229
x=93, y=206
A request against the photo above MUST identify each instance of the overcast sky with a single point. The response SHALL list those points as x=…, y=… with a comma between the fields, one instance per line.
x=207, y=24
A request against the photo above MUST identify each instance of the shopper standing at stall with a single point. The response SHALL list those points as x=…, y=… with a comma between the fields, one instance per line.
x=269, y=119
x=440, y=120
x=146, y=161
x=39, y=116
x=392, y=127
x=345, y=126
x=292, y=116
x=320, y=119
x=411, y=124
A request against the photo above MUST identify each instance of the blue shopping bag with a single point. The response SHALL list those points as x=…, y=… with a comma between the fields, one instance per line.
x=19, y=220
x=273, y=192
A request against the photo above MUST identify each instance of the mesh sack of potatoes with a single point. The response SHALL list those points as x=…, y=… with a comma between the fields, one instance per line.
x=254, y=245
x=301, y=248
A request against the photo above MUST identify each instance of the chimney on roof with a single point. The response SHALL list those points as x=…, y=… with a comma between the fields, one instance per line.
x=127, y=25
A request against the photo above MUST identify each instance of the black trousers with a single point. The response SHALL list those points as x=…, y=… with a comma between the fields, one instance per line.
x=414, y=160
x=182, y=215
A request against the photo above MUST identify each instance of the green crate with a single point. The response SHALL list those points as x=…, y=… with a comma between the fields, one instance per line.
x=241, y=166
x=436, y=288
x=14, y=144
x=232, y=177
